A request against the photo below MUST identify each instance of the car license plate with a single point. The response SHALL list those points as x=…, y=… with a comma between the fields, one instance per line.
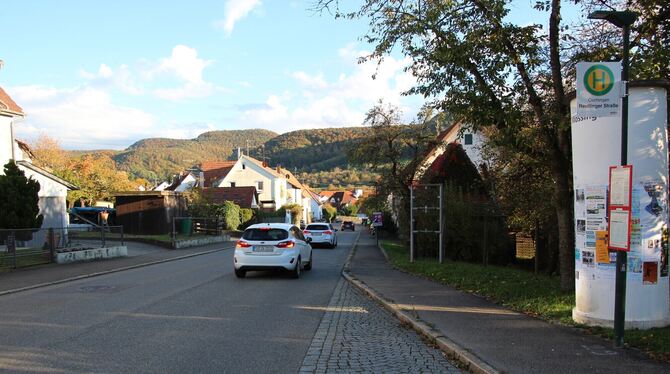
x=263, y=248
x=316, y=234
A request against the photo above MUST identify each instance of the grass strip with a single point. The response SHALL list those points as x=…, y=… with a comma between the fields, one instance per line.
x=534, y=294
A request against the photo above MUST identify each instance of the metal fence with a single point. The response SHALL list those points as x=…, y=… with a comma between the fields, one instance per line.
x=28, y=247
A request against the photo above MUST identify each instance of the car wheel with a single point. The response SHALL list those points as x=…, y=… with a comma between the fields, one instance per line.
x=308, y=266
x=240, y=273
x=295, y=274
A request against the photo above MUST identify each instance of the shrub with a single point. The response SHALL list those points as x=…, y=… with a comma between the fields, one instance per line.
x=231, y=215
x=247, y=217
x=329, y=212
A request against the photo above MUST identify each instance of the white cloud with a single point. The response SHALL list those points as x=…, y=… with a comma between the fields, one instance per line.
x=106, y=77
x=316, y=81
x=235, y=10
x=341, y=101
x=270, y=114
x=80, y=118
x=184, y=64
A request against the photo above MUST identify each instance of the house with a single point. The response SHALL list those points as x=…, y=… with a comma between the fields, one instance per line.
x=316, y=205
x=183, y=182
x=276, y=186
x=272, y=186
x=53, y=190
x=245, y=197
x=338, y=199
x=456, y=133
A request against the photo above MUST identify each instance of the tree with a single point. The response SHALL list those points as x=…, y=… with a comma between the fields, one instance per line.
x=49, y=154
x=482, y=70
x=19, y=200
x=97, y=178
x=395, y=151
x=96, y=175
x=486, y=71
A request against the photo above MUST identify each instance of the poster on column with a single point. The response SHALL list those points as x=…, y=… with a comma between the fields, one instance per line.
x=653, y=212
x=596, y=208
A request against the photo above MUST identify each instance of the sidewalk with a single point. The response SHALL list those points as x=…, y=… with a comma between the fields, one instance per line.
x=139, y=254
x=487, y=337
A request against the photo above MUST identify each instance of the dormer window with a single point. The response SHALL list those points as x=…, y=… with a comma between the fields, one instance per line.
x=467, y=139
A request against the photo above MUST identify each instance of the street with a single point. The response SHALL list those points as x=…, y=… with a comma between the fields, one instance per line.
x=191, y=315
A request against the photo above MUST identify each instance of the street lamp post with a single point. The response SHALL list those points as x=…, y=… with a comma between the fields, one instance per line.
x=623, y=20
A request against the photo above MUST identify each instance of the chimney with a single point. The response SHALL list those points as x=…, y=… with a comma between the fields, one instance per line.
x=201, y=179
x=239, y=153
x=278, y=168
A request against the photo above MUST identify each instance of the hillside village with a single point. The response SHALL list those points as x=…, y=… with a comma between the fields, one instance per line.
x=247, y=182
x=326, y=186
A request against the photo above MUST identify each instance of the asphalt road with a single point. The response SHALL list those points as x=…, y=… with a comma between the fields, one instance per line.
x=191, y=315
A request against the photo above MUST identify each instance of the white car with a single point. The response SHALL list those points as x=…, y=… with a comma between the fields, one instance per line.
x=272, y=246
x=321, y=233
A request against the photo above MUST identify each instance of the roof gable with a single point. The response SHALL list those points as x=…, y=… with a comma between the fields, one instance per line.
x=215, y=170
x=8, y=106
x=245, y=197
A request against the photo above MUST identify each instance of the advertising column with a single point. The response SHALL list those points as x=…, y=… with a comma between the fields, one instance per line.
x=596, y=145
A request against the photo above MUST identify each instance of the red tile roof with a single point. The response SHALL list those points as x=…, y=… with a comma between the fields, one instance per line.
x=242, y=196
x=215, y=170
x=7, y=105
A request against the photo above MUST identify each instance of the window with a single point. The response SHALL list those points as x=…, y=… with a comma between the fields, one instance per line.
x=267, y=234
x=259, y=186
x=467, y=139
x=244, y=166
x=232, y=184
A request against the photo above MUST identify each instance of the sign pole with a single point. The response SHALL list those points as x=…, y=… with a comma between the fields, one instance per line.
x=622, y=256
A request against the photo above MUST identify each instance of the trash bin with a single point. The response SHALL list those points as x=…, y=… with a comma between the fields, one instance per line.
x=186, y=226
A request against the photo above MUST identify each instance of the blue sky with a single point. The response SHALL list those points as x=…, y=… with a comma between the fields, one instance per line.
x=97, y=75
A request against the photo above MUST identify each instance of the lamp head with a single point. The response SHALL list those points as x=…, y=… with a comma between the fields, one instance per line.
x=619, y=19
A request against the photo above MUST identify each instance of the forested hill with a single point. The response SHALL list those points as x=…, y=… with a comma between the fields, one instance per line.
x=159, y=158
x=313, y=150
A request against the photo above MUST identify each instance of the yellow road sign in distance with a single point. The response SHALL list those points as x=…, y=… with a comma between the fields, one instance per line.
x=598, y=80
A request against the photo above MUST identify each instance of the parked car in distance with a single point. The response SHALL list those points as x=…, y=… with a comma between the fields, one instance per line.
x=348, y=225
x=272, y=246
x=321, y=233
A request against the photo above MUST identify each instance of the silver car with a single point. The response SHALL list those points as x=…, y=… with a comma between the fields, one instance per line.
x=321, y=233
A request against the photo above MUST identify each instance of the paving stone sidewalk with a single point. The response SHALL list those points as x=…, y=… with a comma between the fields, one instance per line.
x=356, y=335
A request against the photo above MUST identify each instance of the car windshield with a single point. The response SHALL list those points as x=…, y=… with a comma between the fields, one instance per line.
x=317, y=227
x=265, y=234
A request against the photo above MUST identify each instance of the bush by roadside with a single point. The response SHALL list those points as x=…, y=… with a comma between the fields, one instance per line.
x=534, y=294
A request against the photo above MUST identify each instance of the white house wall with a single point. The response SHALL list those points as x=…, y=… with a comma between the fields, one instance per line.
x=52, y=199
x=274, y=188
x=6, y=141
x=316, y=209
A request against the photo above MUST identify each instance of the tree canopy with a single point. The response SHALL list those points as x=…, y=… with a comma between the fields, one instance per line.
x=488, y=72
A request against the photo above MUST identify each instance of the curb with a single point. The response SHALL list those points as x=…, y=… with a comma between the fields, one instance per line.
x=470, y=361
x=91, y=275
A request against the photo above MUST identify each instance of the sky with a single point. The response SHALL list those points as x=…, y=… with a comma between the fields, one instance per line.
x=103, y=75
